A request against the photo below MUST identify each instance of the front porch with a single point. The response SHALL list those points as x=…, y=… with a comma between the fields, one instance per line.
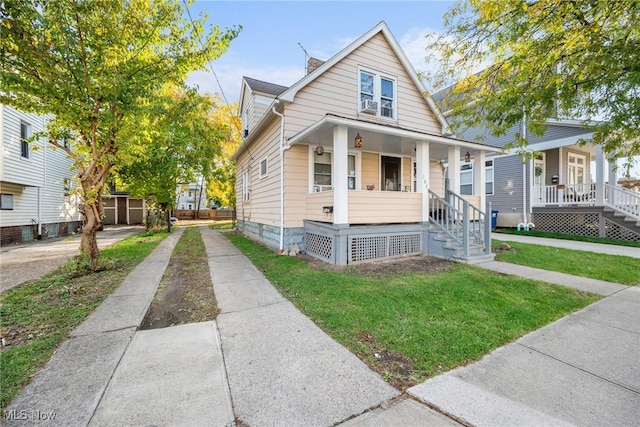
x=377, y=191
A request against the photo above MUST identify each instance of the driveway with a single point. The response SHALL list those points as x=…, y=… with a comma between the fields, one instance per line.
x=27, y=262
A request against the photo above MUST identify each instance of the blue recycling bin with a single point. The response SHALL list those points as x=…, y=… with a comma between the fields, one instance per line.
x=494, y=219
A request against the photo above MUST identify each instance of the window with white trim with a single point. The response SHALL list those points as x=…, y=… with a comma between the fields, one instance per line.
x=351, y=172
x=25, y=134
x=466, y=178
x=245, y=186
x=576, y=168
x=264, y=167
x=488, y=177
x=322, y=172
x=377, y=94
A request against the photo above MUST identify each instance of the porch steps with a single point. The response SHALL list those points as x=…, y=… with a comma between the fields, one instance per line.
x=443, y=246
x=621, y=219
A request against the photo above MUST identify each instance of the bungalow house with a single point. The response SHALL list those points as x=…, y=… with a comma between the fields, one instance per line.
x=35, y=184
x=567, y=186
x=348, y=163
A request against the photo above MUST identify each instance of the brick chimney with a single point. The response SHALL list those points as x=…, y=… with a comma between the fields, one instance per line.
x=312, y=64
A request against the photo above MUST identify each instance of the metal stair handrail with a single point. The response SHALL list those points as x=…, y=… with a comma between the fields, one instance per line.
x=460, y=220
x=622, y=200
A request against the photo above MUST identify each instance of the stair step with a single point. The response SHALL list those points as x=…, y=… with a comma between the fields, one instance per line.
x=476, y=259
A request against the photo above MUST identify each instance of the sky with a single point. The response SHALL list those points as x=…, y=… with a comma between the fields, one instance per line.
x=268, y=47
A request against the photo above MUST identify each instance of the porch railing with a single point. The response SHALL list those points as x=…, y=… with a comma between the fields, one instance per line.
x=620, y=199
x=460, y=220
x=570, y=193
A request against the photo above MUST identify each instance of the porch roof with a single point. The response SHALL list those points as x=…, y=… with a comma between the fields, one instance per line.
x=381, y=137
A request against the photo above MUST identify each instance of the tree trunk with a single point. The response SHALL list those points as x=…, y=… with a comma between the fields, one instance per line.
x=88, y=241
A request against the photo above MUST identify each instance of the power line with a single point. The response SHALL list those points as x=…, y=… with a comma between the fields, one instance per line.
x=224, y=97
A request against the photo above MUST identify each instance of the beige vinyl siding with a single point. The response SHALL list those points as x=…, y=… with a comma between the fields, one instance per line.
x=296, y=185
x=380, y=207
x=249, y=108
x=407, y=167
x=261, y=104
x=436, y=178
x=264, y=203
x=336, y=92
x=370, y=170
x=314, y=203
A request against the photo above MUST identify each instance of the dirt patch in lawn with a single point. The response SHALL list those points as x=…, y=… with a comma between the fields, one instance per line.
x=393, y=367
x=185, y=294
x=386, y=268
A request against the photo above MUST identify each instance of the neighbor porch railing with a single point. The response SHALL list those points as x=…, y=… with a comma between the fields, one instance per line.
x=615, y=197
x=565, y=194
x=460, y=220
x=623, y=200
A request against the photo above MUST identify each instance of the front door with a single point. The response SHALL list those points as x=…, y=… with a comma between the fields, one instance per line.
x=390, y=168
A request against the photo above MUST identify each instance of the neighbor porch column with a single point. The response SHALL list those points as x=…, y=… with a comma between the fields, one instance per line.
x=422, y=176
x=599, y=176
x=480, y=178
x=340, y=176
x=613, y=179
x=454, y=169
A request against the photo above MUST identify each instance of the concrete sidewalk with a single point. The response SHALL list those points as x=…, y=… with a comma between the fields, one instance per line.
x=264, y=363
x=580, y=370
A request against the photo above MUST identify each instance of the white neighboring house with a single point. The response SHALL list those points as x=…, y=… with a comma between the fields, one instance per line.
x=36, y=199
x=192, y=196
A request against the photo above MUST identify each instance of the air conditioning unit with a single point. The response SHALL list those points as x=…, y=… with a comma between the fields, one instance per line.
x=368, y=106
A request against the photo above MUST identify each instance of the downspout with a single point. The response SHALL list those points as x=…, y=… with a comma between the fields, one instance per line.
x=524, y=224
x=44, y=167
x=282, y=148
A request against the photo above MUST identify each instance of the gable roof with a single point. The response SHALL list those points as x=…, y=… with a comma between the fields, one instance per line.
x=260, y=87
x=264, y=87
x=290, y=93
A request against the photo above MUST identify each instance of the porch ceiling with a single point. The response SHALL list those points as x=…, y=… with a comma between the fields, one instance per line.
x=382, y=138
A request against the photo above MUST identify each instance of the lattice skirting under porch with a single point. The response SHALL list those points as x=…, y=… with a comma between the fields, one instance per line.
x=356, y=244
x=591, y=224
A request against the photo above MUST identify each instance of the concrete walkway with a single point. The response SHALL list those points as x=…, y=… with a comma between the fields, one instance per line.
x=265, y=364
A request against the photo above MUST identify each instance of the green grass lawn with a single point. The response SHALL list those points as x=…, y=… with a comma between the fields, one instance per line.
x=225, y=224
x=430, y=322
x=37, y=317
x=562, y=236
x=612, y=268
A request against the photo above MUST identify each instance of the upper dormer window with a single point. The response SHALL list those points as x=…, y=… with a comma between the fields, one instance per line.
x=245, y=125
x=377, y=94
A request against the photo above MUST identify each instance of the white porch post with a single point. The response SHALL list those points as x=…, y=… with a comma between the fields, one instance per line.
x=613, y=179
x=422, y=176
x=340, y=166
x=599, y=175
x=454, y=169
x=480, y=178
